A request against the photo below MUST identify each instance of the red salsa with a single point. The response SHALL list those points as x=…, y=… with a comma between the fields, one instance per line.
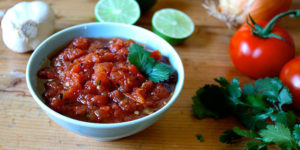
x=92, y=80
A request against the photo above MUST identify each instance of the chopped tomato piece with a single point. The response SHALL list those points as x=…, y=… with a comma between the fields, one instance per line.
x=46, y=73
x=82, y=43
x=156, y=55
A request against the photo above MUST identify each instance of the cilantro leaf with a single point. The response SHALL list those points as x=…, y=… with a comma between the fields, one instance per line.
x=254, y=145
x=244, y=133
x=140, y=57
x=286, y=118
x=256, y=101
x=233, y=90
x=252, y=106
x=249, y=89
x=156, y=71
x=271, y=84
x=252, y=121
x=285, y=97
x=201, y=112
x=210, y=101
x=279, y=134
x=222, y=81
x=253, y=117
x=270, y=89
x=199, y=137
x=296, y=134
x=160, y=72
x=229, y=137
x=274, y=91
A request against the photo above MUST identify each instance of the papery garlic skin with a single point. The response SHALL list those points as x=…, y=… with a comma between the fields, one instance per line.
x=26, y=25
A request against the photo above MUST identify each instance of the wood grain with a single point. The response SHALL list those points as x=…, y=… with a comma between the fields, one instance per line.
x=23, y=125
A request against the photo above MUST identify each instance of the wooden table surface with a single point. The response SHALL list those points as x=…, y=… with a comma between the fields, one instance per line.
x=23, y=125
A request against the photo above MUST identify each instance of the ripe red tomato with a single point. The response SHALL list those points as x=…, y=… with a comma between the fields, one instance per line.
x=260, y=57
x=290, y=76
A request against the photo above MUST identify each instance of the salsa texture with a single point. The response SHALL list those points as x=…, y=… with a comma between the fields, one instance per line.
x=92, y=80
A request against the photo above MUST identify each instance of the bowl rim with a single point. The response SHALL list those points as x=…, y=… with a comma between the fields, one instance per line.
x=180, y=81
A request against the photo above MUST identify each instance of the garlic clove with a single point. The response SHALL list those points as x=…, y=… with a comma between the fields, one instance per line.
x=44, y=10
x=16, y=44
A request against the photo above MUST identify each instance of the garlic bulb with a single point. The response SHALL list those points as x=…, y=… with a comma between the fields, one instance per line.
x=26, y=25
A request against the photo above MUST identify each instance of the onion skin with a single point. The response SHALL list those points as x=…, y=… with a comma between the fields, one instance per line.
x=259, y=9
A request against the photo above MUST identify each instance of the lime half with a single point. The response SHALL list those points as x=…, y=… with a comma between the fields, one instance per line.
x=121, y=11
x=172, y=25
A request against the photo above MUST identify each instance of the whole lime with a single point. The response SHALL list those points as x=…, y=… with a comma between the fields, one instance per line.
x=145, y=5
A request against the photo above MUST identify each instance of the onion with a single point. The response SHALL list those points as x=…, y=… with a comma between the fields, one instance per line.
x=235, y=12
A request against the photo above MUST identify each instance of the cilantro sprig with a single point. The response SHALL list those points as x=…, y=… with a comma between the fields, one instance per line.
x=257, y=106
x=156, y=71
x=200, y=137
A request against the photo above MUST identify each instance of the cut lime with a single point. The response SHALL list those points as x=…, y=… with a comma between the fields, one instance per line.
x=121, y=11
x=145, y=5
x=172, y=25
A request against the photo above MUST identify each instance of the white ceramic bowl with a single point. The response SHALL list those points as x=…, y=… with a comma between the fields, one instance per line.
x=102, y=131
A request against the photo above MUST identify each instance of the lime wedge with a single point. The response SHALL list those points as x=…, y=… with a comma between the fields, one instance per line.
x=172, y=25
x=121, y=11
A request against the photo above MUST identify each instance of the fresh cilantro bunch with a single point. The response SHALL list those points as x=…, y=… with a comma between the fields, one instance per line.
x=257, y=106
x=156, y=71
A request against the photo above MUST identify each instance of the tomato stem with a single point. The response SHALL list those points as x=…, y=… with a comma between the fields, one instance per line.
x=266, y=32
x=269, y=27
